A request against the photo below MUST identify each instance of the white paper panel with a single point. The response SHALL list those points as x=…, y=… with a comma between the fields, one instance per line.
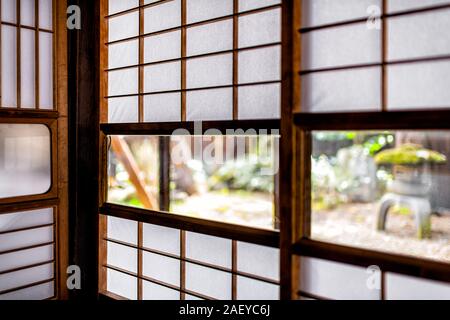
x=347, y=45
x=402, y=5
x=210, y=282
x=115, y=6
x=245, y=5
x=419, y=86
x=209, y=104
x=258, y=260
x=319, y=12
x=260, y=102
x=199, y=10
x=213, y=250
x=161, y=238
x=27, y=68
x=25, y=164
x=46, y=70
x=162, y=16
x=162, y=107
x=122, y=82
x=25, y=277
x=27, y=12
x=9, y=66
x=153, y=291
x=123, y=54
x=260, y=28
x=22, y=239
x=400, y=287
x=162, y=77
x=161, y=47
x=211, y=37
x=123, y=110
x=260, y=65
x=192, y=298
x=45, y=14
x=25, y=219
x=39, y=292
x=121, y=284
x=122, y=257
x=25, y=258
x=9, y=13
x=199, y=71
x=249, y=289
x=336, y=281
x=161, y=268
x=122, y=230
x=124, y=26
x=419, y=35
x=341, y=91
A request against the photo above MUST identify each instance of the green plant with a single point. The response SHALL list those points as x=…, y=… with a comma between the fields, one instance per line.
x=409, y=154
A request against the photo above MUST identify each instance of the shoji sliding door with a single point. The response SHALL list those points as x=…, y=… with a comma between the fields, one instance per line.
x=33, y=152
x=202, y=67
x=371, y=89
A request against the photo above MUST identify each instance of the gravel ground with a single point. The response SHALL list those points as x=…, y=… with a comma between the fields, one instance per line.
x=354, y=225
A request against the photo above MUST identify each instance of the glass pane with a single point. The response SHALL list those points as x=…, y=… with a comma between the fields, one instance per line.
x=133, y=169
x=383, y=190
x=25, y=162
x=229, y=179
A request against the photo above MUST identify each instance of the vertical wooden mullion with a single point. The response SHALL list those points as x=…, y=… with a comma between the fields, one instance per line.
x=139, y=260
x=235, y=59
x=141, y=61
x=164, y=173
x=384, y=52
x=18, y=56
x=183, y=59
x=182, y=264
x=234, y=270
x=36, y=54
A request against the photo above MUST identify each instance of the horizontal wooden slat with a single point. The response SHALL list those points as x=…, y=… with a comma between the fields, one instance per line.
x=167, y=128
x=413, y=120
x=214, y=228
